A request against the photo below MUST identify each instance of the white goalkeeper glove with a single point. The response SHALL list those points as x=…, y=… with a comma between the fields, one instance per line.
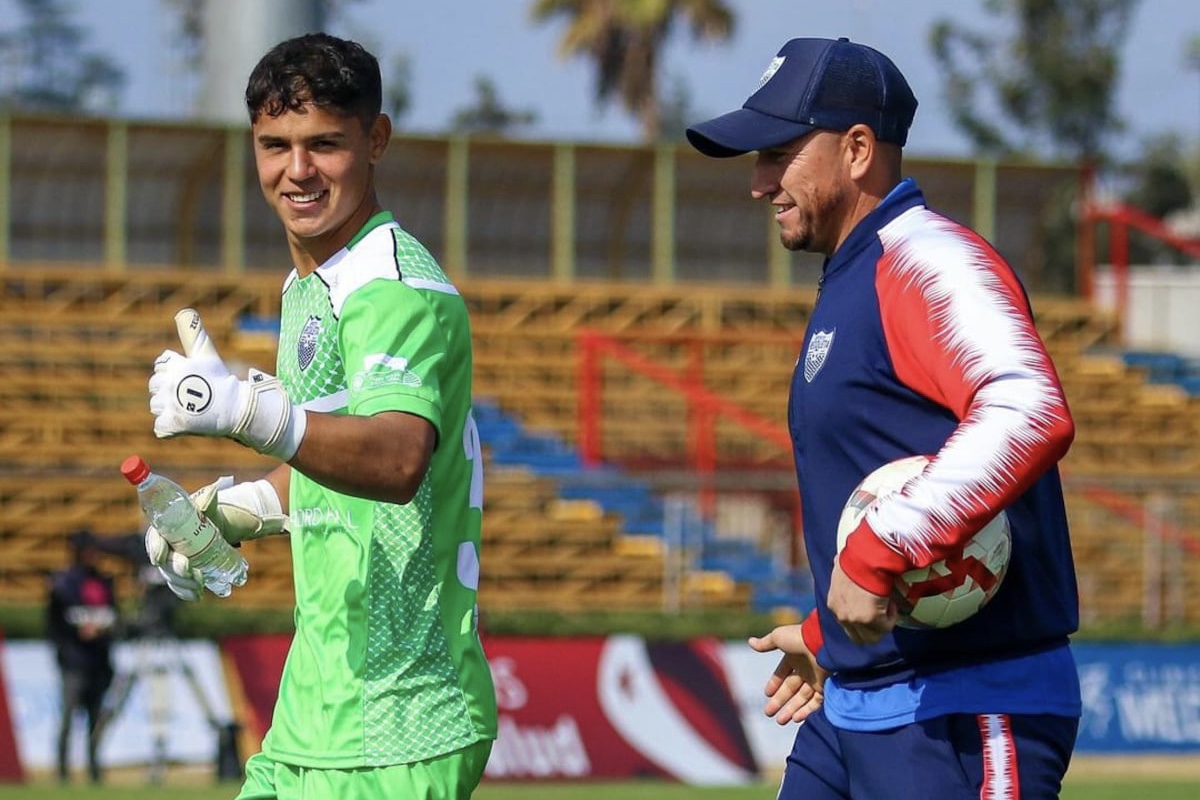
x=241, y=511
x=197, y=394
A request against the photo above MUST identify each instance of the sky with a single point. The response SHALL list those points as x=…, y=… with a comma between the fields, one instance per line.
x=450, y=44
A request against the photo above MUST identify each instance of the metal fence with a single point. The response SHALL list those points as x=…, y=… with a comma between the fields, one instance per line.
x=1136, y=550
x=134, y=195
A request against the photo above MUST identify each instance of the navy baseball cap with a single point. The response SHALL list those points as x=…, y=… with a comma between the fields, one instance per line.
x=810, y=84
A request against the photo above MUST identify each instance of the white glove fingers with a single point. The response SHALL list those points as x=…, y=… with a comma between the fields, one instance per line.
x=164, y=361
x=197, y=395
x=165, y=428
x=161, y=386
x=182, y=587
x=182, y=566
x=192, y=335
x=204, y=497
x=248, y=510
x=157, y=549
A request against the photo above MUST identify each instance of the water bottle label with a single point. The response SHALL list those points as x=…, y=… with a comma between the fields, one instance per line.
x=199, y=539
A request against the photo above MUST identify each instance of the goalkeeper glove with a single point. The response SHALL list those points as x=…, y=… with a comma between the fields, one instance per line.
x=241, y=511
x=197, y=394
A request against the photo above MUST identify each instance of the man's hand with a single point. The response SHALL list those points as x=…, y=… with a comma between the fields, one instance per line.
x=240, y=511
x=197, y=394
x=796, y=688
x=865, y=617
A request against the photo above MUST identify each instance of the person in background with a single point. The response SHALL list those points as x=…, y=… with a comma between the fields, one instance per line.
x=386, y=691
x=81, y=616
x=921, y=342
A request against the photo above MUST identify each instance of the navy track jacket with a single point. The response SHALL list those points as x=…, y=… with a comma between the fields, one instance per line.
x=922, y=342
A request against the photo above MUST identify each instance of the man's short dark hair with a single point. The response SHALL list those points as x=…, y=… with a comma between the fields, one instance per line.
x=331, y=73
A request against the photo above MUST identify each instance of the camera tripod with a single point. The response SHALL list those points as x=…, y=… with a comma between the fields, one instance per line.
x=157, y=658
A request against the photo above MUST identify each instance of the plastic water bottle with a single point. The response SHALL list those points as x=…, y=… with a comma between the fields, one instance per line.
x=169, y=508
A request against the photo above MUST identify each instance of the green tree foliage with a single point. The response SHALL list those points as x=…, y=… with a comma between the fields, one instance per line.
x=397, y=88
x=48, y=68
x=1159, y=186
x=1192, y=56
x=488, y=115
x=1038, y=78
x=624, y=40
x=676, y=110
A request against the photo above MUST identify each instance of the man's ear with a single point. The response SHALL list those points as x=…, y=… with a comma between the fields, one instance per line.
x=861, y=149
x=380, y=135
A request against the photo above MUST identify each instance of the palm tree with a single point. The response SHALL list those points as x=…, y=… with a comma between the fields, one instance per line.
x=624, y=38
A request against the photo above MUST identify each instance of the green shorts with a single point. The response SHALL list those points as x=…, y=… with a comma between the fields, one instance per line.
x=453, y=776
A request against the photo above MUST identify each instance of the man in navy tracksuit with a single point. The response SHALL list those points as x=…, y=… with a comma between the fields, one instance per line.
x=921, y=342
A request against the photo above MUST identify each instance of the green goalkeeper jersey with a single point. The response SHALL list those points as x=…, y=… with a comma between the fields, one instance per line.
x=386, y=666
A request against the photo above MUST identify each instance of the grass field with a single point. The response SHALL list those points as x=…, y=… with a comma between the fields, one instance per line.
x=1100, y=786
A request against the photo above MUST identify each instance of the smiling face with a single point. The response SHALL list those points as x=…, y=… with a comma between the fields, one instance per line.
x=808, y=183
x=316, y=170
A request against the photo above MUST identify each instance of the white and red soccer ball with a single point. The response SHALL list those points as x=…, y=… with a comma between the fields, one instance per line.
x=947, y=591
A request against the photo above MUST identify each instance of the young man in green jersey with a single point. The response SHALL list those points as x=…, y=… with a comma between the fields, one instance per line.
x=386, y=691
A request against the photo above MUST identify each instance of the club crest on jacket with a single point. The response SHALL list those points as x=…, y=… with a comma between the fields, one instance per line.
x=818, y=350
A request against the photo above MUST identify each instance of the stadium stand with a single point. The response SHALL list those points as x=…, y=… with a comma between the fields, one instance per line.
x=565, y=526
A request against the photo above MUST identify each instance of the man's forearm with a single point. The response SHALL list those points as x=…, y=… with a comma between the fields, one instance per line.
x=281, y=479
x=382, y=457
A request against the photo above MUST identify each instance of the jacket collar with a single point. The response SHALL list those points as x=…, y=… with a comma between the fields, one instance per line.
x=902, y=197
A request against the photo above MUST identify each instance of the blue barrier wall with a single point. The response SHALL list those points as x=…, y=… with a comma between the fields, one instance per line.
x=1139, y=698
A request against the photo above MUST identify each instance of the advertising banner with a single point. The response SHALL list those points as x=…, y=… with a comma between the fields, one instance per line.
x=11, y=769
x=1139, y=698
x=258, y=660
x=171, y=691
x=613, y=708
x=616, y=707
x=622, y=707
x=600, y=707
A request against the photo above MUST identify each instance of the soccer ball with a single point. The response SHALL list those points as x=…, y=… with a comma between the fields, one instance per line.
x=948, y=591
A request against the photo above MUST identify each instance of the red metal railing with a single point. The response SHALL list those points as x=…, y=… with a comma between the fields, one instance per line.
x=1119, y=218
x=704, y=407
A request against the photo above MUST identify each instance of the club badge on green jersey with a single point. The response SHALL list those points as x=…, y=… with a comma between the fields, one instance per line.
x=306, y=344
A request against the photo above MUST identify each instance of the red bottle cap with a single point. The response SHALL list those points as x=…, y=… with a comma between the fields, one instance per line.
x=134, y=469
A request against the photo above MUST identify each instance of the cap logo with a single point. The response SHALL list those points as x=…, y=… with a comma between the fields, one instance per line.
x=772, y=68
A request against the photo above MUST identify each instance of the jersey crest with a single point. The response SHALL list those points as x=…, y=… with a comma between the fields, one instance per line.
x=818, y=350
x=306, y=343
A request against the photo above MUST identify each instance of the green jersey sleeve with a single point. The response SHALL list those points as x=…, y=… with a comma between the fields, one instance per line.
x=392, y=348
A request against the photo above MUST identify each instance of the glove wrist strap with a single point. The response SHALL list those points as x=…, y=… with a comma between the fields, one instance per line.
x=269, y=422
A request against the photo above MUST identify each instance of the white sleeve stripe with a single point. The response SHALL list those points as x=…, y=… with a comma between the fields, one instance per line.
x=435, y=286
x=1001, y=779
x=330, y=402
x=1018, y=399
